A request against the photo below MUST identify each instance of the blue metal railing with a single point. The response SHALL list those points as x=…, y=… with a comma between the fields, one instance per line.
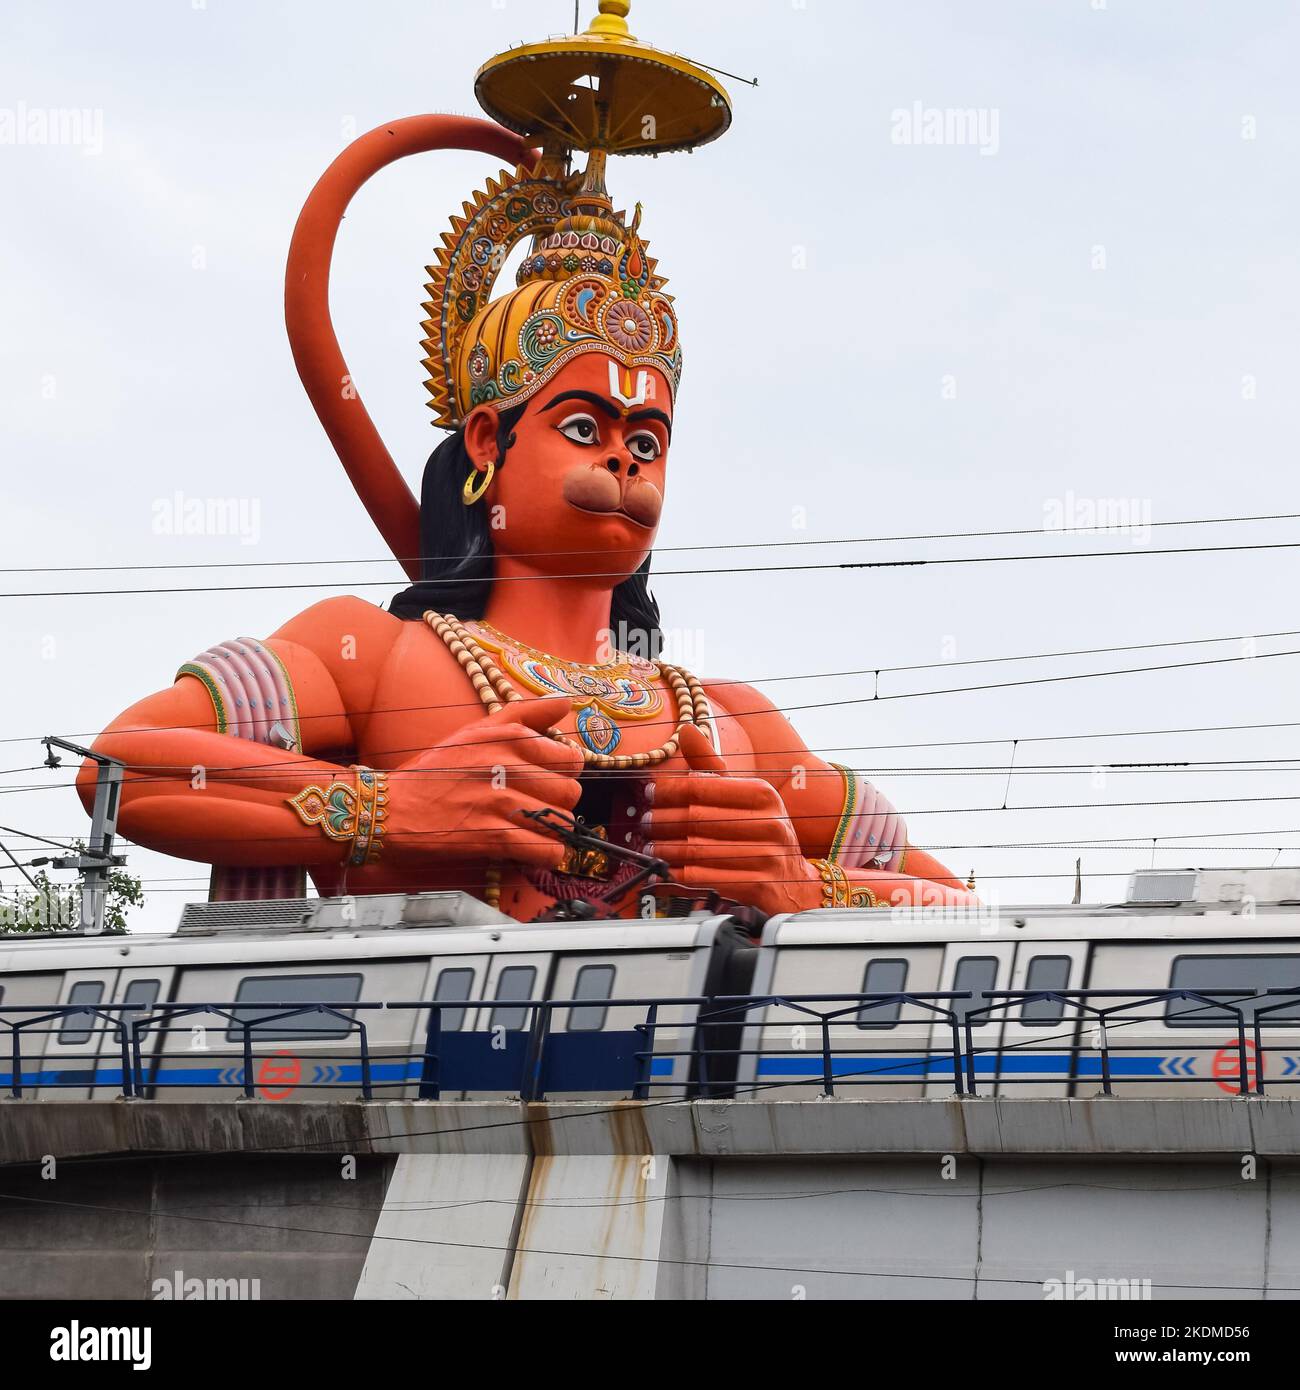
x=499, y=1058
x=1125, y=1009
x=128, y=1053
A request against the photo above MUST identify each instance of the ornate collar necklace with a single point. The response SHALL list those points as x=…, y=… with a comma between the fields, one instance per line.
x=619, y=688
x=600, y=693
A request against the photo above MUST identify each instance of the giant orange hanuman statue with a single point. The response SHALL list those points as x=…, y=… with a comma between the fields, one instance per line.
x=401, y=750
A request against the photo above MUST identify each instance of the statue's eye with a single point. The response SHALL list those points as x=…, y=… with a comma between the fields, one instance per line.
x=580, y=428
x=644, y=446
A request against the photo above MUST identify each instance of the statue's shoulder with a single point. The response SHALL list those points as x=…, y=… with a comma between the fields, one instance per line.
x=364, y=646
x=747, y=718
x=332, y=621
x=735, y=697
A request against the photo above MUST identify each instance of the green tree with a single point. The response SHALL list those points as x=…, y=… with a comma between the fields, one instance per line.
x=50, y=906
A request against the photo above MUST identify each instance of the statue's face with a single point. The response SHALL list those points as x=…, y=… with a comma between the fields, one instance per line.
x=586, y=470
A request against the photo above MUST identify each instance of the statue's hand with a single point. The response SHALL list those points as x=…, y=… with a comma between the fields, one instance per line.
x=727, y=832
x=465, y=797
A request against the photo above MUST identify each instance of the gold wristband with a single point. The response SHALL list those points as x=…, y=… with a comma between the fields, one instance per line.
x=838, y=890
x=351, y=815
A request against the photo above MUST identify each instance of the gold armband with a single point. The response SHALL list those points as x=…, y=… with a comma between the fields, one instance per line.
x=838, y=891
x=351, y=815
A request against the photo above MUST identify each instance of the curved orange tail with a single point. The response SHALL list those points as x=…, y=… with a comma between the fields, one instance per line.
x=370, y=467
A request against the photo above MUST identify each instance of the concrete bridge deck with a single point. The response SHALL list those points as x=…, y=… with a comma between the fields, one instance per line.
x=944, y=1198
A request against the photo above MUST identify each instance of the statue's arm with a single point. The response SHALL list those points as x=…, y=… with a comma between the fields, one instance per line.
x=195, y=787
x=843, y=825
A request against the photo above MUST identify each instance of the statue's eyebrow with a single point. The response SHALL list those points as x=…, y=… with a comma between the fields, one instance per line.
x=650, y=413
x=590, y=397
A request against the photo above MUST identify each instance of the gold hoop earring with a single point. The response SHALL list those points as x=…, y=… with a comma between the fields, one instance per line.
x=471, y=494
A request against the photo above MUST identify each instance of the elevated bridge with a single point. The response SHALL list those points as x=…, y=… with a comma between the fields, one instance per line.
x=988, y=1198
x=413, y=1097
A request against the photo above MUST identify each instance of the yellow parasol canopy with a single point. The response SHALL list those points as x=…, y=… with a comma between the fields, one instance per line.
x=603, y=90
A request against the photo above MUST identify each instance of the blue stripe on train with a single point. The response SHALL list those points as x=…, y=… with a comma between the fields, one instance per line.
x=592, y=1062
x=574, y=1076
x=469, y=1062
x=810, y=1065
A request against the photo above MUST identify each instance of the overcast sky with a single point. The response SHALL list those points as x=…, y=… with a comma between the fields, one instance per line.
x=1091, y=302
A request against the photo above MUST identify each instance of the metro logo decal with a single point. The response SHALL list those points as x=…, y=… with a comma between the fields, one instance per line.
x=282, y=1067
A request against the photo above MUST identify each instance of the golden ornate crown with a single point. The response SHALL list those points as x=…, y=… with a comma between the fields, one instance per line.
x=587, y=285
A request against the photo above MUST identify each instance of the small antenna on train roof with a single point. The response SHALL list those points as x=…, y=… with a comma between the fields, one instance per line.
x=1078, y=881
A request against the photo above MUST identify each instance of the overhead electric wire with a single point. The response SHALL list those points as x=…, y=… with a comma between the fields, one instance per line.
x=1145, y=846
x=933, y=562
x=201, y=878
x=471, y=836
x=669, y=549
x=1057, y=738
x=26, y=835
x=21, y=868
x=1123, y=843
x=874, y=698
x=449, y=772
x=292, y=774
x=266, y=767
x=150, y=885
x=980, y=1277
x=593, y=1203
x=1034, y=656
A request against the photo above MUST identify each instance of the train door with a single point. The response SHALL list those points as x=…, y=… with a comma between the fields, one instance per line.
x=73, y=1044
x=1039, y=1038
x=456, y=983
x=496, y=1054
x=890, y=1040
x=142, y=987
x=974, y=966
x=595, y=1048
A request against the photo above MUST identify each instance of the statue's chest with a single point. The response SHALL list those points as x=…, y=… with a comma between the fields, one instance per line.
x=607, y=701
x=429, y=689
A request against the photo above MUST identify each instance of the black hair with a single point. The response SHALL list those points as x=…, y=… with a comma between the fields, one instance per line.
x=456, y=545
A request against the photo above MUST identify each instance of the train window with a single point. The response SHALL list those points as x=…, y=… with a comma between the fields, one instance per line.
x=454, y=985
x=515, y=982
x=593, y=982
x=882, y=977
x=1045, y=972
x=975, y=973
x=290, y=990
x=142, y=994
x=77, y=1028
x=1246, y=973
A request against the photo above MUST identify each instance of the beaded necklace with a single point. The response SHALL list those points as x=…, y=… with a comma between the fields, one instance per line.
x=588, y=685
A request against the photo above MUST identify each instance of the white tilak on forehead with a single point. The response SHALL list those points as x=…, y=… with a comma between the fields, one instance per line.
x=616, y=386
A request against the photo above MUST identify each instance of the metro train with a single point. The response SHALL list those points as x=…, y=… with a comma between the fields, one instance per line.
x=330, y=998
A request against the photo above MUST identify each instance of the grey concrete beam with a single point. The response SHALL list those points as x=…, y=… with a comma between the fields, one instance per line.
x=1120, y=1127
